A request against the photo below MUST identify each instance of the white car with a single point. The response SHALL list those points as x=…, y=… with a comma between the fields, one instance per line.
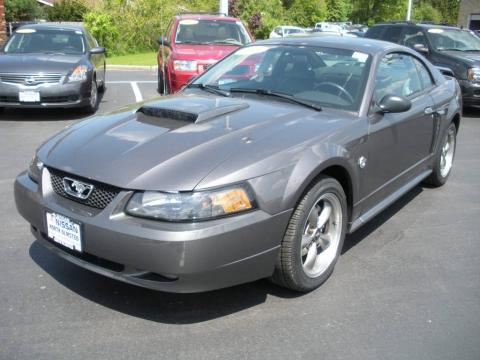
x=283, y=31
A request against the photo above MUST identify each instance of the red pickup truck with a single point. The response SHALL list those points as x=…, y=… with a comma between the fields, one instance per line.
x=193, y=42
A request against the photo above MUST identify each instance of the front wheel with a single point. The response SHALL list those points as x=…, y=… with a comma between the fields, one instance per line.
x=444, y=156
x=314, y=237
x=162, y=85
x=93, y=103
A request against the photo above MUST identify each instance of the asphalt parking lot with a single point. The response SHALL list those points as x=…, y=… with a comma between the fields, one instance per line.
x=406, y=287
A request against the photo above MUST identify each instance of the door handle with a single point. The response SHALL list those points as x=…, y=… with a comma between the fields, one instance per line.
x=429, y=110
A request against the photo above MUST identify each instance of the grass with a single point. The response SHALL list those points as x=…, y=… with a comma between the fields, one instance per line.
x=148, y=59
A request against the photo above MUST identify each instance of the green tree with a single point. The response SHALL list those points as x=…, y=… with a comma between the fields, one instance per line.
x=67, y=10
x=424, y=11
x=22, y=10
x=448, y=10
x=337, y=10
x=307, y=12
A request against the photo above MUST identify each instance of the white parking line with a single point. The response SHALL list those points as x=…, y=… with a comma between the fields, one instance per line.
x=129, y=82
x=136, y=91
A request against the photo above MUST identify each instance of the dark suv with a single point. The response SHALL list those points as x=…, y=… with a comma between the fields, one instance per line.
x=454, y=49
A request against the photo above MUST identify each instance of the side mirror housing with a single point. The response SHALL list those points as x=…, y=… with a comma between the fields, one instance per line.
x=394, y=104
x=163, y=40
x=445, y=71
x=422, y=49
x=97, y=50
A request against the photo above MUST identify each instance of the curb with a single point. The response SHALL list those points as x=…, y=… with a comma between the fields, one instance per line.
x=132, y=67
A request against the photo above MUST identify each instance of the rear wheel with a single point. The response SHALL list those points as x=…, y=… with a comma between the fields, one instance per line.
x=314, y=237
x=444, y=156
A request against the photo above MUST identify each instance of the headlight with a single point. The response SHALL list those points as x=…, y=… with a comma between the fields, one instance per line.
x=78, y=74
x=473, y=74
x=185, y=65
x=199, y=205
x=35, y=169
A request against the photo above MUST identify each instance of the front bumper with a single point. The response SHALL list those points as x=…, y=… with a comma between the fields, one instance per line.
x=173, y=257
x=52, y=95
x=470, y=93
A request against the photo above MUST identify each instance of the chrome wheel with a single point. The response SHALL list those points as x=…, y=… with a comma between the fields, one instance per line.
x=448, y=151
x=93, y=95
x=321, y=235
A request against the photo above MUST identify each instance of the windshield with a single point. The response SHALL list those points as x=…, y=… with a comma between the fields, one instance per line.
x=211, y=32
x=453, y=39
x=325, y=76
x=26, y=41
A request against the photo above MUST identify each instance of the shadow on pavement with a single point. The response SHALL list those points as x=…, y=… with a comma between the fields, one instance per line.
x=182, y=308
x=154, y=305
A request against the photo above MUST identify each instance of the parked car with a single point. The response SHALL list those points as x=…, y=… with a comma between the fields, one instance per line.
x=51, y=65
x=243, y=176
x=193, y=43
x=452, y=49
x=282, y=31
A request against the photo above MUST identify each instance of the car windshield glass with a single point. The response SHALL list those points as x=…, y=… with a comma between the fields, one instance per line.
x=453, y=39
x=26, y=41
x=211, y=32
x=323, y=76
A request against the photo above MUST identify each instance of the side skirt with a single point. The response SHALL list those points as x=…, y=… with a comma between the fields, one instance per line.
x=388, y=200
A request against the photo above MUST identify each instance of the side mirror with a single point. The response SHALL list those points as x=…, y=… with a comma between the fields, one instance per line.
x=97, y=50
x=445, y=71
x=394, y=104
x=164, y=40
x=422, y=49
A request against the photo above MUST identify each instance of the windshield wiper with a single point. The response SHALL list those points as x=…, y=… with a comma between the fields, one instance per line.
x=280, y=95
x=210, y=88
x=452, y=50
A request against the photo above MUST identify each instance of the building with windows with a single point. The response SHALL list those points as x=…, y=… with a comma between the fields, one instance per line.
x=3, y=25
x=469, y=14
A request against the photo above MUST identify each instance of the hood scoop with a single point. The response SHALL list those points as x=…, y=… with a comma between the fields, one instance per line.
x=187, y=109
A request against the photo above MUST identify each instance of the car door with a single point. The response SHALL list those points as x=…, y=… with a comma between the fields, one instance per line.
x=97, y=60
x=399, y=143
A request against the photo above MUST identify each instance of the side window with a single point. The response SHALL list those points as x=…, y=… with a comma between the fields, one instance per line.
x=397, y=75
x=424, y=74
x=375, y=32
x=90, y=40
x=412, y=37
x=393, y=34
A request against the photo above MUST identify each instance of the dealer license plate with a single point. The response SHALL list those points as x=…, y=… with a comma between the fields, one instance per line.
x=29, y=96
x=64, y=231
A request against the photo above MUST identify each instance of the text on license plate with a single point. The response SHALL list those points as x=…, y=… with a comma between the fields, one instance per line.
x=29, y=96
x=64, y=231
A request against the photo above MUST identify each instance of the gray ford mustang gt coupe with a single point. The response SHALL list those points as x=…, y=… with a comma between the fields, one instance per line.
x=258, y=168
x=51, y=65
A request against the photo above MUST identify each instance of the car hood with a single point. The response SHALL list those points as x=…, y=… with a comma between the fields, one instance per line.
x=472, y=58
x=35, y=63
x=202, y=52
x=173, y=143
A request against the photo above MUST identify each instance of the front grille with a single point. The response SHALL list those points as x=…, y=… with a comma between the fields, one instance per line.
x=9, y=99
x=30, y=79
x=101, y=196
x=59, y=99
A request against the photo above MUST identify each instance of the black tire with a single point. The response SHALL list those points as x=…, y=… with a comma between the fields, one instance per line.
x=2, y=110
x=103, y=87
x=289, y=270
x=92, y=106
x=437, y=178
x=162, y=88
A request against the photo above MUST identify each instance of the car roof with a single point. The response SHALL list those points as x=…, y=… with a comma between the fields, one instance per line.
x=201, y=16
x=423, y=25
x=54, y=26
x=369, y=46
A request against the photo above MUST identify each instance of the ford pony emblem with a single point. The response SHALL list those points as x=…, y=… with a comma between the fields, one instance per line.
x=76, y=188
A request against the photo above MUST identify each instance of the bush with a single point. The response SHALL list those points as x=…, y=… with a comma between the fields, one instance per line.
x=67, y=10
x=102, y=27
x=22, y=10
